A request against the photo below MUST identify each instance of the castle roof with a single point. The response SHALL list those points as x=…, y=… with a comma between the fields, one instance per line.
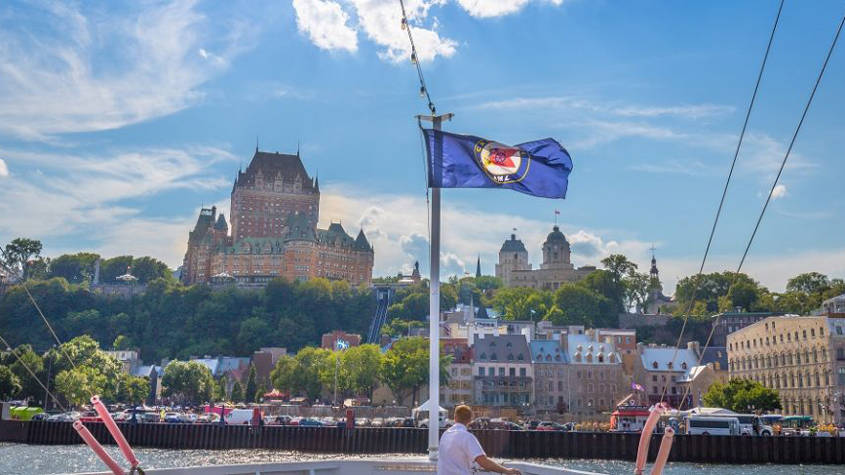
x=221, y=224
x=204, y=221
x=361, y=241
x=299, y=228
x=556, y=235
x=271, y=165
x=513, y=245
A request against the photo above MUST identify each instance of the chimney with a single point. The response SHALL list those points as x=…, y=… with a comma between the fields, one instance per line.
x=694, y=346
x=564, y=342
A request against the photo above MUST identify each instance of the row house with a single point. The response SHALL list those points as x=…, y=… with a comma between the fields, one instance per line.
x=503, y=373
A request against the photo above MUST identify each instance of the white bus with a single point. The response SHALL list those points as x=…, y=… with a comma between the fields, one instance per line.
x=713, y=425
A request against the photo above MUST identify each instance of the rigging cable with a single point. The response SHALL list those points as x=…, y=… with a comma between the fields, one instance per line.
x=416, y=60
x=774, y=184
x=697, y=278
x=32, y=373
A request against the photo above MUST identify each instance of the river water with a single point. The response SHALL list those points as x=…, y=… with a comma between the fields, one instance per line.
x=18, y=459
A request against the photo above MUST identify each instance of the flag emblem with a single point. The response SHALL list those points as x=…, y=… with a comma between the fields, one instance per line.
x=501, y=163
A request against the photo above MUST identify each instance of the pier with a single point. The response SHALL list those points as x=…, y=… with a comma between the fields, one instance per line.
x=497, y=443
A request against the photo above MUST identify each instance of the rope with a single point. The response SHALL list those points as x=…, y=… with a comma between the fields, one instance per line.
x=416, y=60
x=32, y=373
x=697, y=278
x=775, y=183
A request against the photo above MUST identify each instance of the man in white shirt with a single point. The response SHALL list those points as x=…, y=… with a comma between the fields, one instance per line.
x=459, y=449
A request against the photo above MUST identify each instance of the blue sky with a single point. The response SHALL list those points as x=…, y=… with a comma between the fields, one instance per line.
x=117, y=122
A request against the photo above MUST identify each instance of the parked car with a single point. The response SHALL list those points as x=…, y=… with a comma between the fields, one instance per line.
x=41, y=416
x=550, y=426
x=307, y=422
x=172, y=417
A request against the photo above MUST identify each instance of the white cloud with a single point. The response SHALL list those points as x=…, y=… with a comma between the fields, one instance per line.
x=4, y=170
x=685, y=111
x=494, y=8
x=89, y=197
x=399, y=233
x=325, y=23
x=381, y=21
x=779, y=191
x=90, y=71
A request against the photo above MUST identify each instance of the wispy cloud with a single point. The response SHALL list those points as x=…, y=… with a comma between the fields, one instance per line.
x=686, y=111
x=68, y=194
x=496, y=8
x=4, y=169
x=675, y=167
x=89, y=70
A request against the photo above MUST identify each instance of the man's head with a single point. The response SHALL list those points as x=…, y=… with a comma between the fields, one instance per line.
x=463, y=414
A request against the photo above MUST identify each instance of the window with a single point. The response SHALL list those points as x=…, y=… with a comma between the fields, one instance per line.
x=501, y=371
x=512, y=372
x=522, y=372
x=491, y=371
x=654, y=378
x=481, y=370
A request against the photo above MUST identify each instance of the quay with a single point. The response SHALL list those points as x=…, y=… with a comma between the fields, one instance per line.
x=498, y=443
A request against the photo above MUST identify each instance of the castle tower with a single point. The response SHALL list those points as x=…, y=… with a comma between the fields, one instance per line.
x=556, y=251
x=512, y=256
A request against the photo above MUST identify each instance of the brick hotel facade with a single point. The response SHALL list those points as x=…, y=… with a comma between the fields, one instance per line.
x=275, y=209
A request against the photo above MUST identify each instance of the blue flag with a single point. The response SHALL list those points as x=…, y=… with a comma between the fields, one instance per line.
x=539, y=168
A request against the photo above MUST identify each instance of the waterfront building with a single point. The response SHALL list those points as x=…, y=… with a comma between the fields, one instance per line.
x=503, y=373
x=625, y=343
x=551, y=375
x=264, y=360
x=664, y=372
x=275, y=208
x=329, y=340
x=459, y=390
x=515, y=270
x=130, y=360
x=834, y=305
x=802, y=357
x=596, y=374
x=729, y=322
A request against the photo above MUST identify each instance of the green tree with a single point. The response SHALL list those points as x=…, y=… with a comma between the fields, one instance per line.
x=619, y=266
x=360, y=365
x=740, y=395
x=219, y=391
x=20, y=255
x=133, y=390
x=637, y=288
x=75, y=268
x=404, y=368
x=10, y=385
x=606, y=284
x=110, y=269
x=77, y=385
x=284, y=374
x=26, y=358
x=187, y=381
x=581, y=306
x=147, y=269
x=251, y=389
x=808, y=283
x=259, y=394
x=237, y=392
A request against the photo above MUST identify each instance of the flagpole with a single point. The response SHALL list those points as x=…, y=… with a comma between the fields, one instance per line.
x=434, y=306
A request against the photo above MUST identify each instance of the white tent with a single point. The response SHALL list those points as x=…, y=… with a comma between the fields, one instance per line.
x=426, y=407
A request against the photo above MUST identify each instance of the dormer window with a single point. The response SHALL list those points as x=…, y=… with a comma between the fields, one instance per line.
x=483, y=356
x=601, y=358
x=612, y=358
x=684, y=365
x=557, y=357
x=654, y=365
x=589, y=358
x=493, y=357
x=548, y=357
x=578, y=357
x=510, y=356
x=669, y=365
x=509, y=345
x=519, y=357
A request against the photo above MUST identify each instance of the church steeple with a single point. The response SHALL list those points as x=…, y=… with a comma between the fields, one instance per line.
x=478, y=267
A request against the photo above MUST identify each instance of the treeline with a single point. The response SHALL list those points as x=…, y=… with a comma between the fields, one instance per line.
x=173, y=321
x=22, y=258
x=73, y=372
x=403, y=369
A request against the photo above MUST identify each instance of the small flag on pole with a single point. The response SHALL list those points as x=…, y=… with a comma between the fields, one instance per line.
x=637, y=387
x=539, y=168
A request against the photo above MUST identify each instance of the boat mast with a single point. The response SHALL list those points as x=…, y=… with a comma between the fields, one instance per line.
x=434, y=303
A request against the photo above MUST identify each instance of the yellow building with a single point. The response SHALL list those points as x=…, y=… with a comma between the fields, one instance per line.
x=802, y=357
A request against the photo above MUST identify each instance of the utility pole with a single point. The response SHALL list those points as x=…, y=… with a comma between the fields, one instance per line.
x=434, y=304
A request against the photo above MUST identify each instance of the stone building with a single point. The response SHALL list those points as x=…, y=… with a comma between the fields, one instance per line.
x=596, y=374
x=729, y=322
x=551, y=375
x=802, y=357
x=275, y=207
x=664, y=372
x=503, y=373
x=460, y=387
x=515, y=270
x=329, y=340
